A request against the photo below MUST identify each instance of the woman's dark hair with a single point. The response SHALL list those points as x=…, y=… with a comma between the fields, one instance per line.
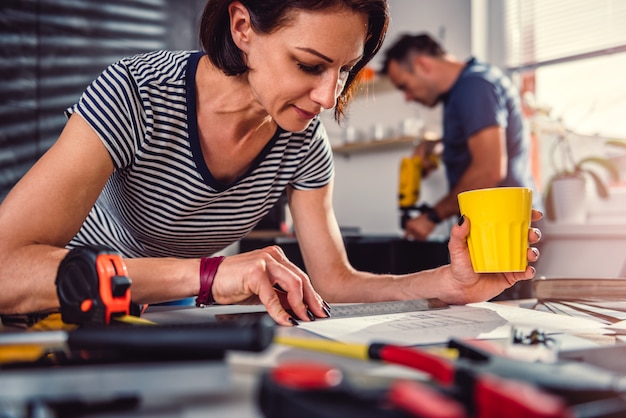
x=269, y=15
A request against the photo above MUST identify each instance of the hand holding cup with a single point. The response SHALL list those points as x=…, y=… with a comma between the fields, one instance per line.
x=499, y=222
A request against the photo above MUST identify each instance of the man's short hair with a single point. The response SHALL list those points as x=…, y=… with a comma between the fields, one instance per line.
x=409, y=44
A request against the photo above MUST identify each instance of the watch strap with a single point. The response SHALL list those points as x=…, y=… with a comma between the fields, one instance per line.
x=430, y=213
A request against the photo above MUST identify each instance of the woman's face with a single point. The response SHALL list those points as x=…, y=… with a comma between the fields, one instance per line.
x=300, y=70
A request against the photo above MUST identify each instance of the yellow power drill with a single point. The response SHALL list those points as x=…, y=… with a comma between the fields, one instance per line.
x=411, y=171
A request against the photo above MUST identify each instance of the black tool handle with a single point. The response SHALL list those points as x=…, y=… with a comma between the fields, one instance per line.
x=194, y=339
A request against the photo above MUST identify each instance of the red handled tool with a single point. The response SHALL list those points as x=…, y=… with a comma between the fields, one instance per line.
x=436, y=366
x=309, y=389
x=487, y=385
x=313, y=390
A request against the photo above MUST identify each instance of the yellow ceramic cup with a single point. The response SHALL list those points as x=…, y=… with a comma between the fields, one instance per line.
x=499, y=221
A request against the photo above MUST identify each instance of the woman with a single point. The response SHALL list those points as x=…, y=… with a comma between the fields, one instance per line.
x=170, y=156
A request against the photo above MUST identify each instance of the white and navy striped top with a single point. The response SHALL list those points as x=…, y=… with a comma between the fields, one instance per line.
x=161, y=200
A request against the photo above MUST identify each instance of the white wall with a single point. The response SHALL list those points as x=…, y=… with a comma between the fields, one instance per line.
x=366, y=183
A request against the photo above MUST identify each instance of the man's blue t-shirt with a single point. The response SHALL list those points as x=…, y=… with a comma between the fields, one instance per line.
x=481, y=97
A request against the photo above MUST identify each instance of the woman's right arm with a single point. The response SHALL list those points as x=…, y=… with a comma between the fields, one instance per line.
x=47, y=207
x=44, y=211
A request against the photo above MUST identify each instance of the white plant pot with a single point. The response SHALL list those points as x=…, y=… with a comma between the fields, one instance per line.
x=569, y=200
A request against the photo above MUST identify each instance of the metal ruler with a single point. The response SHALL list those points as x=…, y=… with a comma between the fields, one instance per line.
x=345, y=310
x=383, y=308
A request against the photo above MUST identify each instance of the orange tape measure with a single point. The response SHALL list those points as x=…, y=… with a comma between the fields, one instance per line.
x=93, y=286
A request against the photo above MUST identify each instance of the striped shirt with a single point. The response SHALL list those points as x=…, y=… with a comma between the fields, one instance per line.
x=162, y=200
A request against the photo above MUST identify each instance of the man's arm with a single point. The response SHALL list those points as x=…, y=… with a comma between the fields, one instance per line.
x=487, y=169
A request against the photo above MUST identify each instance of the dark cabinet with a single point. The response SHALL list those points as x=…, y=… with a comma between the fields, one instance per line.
x=376, y=254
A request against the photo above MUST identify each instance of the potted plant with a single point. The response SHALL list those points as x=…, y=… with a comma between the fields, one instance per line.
x=565, y=192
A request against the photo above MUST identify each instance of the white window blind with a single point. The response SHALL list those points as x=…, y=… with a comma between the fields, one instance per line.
x=540, y=32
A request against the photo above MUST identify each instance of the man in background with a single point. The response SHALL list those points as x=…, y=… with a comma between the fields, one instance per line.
x=485, y=141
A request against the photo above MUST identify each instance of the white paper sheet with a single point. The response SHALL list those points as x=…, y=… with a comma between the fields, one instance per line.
x=618, y=327
x=482, y=320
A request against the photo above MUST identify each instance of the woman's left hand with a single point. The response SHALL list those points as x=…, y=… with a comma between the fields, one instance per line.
x=465, y=286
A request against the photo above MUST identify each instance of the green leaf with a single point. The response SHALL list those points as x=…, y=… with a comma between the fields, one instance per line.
x=616, y=143
x=549, y=200
x=610, y=167
x=601, y=188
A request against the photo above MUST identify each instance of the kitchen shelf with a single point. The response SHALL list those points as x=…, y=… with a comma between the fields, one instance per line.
x=372, y=145
x=380, y=84
x=379, y=144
